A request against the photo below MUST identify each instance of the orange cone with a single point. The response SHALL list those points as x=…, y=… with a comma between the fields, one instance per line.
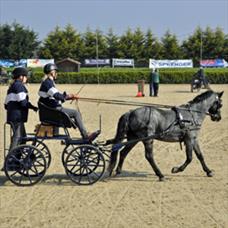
x=139, y=94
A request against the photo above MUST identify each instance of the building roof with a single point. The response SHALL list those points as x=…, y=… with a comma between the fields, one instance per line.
x=68, y=60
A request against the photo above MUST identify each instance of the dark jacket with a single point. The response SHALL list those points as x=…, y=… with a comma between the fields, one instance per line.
x=49, y=95
x=17, y=102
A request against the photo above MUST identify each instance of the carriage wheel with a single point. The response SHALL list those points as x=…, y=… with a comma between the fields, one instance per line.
x=66, y=151
x=43, y=148
x=25, y=165
x=85, y=165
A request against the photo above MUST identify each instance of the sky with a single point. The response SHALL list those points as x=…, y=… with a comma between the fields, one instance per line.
x=180, y=17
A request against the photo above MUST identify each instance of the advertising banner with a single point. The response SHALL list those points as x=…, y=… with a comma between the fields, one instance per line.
x=38, y=62
x=122, y=62
x=179, y=63
x=213, y=63
x=6, y=63
x=102, y=62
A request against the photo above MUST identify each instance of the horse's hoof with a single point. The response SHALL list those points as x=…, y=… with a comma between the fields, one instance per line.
x=118, y=172
x=210, y=174
x=161, y=178
x=175, y=170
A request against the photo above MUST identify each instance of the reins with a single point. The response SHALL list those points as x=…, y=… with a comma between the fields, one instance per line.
x=133, y=103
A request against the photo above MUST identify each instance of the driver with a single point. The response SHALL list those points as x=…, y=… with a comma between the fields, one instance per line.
x=200, y=75
x=51, y=97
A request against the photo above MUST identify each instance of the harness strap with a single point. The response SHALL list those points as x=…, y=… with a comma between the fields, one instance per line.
x=179, y=117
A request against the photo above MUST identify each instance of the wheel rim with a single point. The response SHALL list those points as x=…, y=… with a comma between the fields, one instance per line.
x=66, y=151
x=25, y=165
x=43, y=148
x=85, y=165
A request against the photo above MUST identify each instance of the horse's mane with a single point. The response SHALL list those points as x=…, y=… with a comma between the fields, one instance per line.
x=201, y=97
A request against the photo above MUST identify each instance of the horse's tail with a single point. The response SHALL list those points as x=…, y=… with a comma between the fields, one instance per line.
x=122, y=129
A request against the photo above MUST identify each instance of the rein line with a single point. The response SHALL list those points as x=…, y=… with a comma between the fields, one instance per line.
x=133, y=103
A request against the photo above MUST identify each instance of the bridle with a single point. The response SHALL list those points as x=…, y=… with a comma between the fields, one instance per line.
x=215, y=108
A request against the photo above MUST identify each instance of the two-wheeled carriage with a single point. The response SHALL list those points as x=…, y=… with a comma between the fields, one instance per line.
x=26, y=164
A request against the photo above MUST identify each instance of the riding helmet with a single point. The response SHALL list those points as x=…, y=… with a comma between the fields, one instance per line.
x=19, y=71
x=49, y=67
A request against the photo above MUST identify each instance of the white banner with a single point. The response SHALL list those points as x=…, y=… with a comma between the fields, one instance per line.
x=97, y=61
x=39, y=62
x=179, y=63
x=122, y=62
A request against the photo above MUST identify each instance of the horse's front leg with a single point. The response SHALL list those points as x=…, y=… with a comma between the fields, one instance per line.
x=199, y=155
x=150, y=158
x=188, y=150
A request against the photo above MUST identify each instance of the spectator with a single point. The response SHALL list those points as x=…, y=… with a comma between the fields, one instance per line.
x=154, y=83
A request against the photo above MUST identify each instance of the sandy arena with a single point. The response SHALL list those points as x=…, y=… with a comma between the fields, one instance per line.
x=135, y=199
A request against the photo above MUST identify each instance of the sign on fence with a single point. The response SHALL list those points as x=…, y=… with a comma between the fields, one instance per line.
x=38, y=62
x=123, y=62
x=213, y=63
x=102, y=62
x=179, y=63
x=13, y=63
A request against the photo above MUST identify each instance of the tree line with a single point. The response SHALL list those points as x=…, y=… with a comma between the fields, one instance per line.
x=18, y=42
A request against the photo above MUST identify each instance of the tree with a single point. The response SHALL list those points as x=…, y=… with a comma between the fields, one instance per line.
x=192, y=46
x=61, y=44
x=213, y=44
x=101, y=43
x=125, y=44
x=112, y=45
x=17, y=42
x=89, y=40
x=152, y=46
x=171, y=48
x=137, y=48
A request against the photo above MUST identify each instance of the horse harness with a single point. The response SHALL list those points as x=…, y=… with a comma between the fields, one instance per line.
x=184, y=124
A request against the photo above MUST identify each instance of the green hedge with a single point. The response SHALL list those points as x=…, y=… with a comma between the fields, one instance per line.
x=177, y=76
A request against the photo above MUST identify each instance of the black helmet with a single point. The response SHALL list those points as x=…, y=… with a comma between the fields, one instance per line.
x=17, y=72
x=49, y=67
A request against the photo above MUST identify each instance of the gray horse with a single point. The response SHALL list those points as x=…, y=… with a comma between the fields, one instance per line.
x=178, y=124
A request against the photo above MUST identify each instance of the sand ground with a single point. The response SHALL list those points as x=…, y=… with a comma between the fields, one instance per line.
x=136, y=198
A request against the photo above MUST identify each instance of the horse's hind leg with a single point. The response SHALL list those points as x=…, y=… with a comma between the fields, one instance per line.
x=199, y=155
x=112, y=162
x=123, y=154
x=150, y=158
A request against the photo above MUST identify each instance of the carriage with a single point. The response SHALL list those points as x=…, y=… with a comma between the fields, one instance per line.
x=82, y=159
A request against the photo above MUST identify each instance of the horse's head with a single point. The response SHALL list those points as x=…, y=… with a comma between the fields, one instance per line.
x=214, y=110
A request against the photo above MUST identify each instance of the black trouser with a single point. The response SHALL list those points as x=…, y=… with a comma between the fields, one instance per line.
x=18, y=132
x=151, y=90
x=155, y=89
x=76, y=116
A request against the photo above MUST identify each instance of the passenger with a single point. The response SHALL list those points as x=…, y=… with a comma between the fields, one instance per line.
x=17, y=105
x=51, y=97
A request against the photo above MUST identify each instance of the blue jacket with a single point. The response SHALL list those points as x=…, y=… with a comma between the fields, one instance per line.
x=17, y=102
x=49, y=95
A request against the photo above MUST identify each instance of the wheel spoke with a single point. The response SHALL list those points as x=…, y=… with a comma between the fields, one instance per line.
x=25, y=165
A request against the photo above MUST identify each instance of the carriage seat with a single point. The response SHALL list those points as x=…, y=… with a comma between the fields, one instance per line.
x=54, y=117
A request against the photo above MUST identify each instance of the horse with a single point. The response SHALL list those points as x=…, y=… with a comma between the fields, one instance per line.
x=177, y=124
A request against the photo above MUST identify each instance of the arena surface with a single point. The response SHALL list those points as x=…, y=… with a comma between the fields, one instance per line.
x=136, y=198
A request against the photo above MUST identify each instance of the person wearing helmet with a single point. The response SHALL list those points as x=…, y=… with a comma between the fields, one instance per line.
x=51, y=97
x=17, y=105
x=200, y=75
